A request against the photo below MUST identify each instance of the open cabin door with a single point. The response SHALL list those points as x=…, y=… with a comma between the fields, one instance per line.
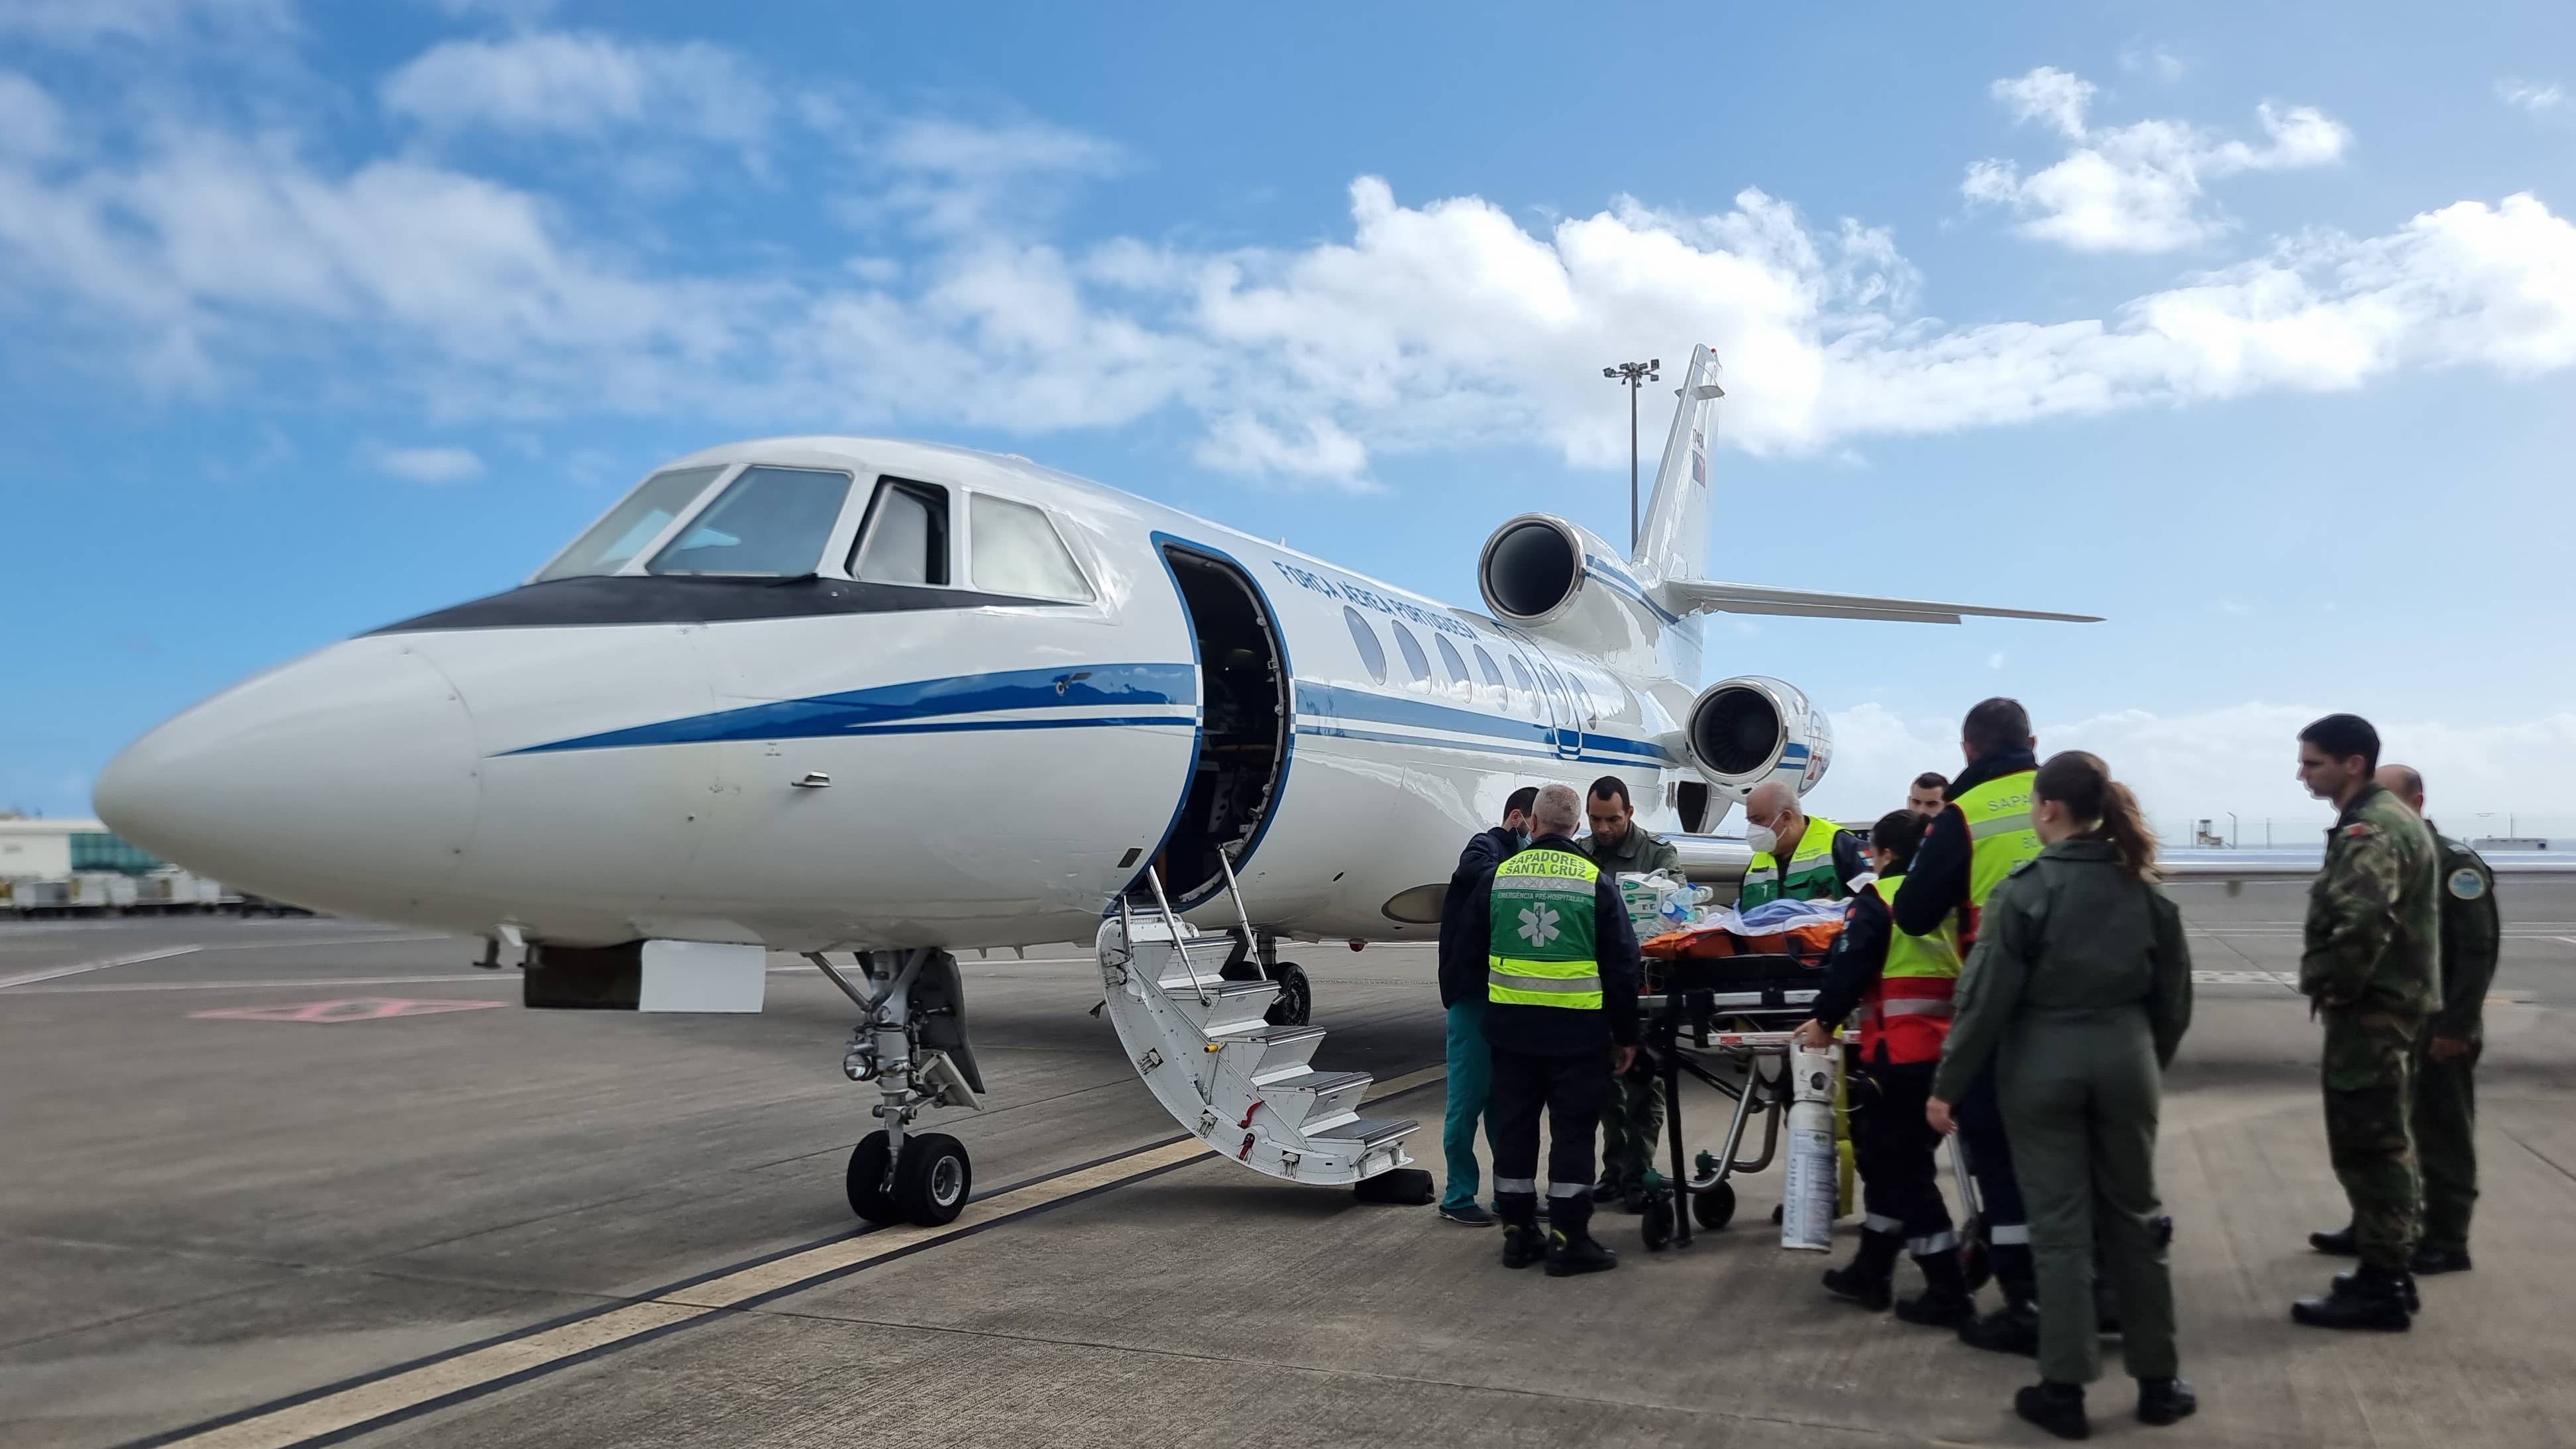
x=1245, y=718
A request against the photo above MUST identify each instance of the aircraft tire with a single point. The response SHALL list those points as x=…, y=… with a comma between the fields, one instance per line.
x=932, y=1182
x=1296, y=999
x=868, y=1197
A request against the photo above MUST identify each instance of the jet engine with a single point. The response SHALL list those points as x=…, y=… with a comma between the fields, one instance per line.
x=1749, y=729
x=1559, y=580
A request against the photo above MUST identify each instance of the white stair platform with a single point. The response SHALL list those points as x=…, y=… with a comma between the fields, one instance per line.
x=1238, y=1083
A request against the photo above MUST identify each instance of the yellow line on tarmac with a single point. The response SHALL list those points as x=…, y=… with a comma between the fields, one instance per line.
x=329, y=1416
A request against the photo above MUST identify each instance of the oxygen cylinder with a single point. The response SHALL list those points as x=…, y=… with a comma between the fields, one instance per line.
x=1810, y=1192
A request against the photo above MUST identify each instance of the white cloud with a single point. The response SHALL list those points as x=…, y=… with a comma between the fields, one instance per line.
x=2532, y=96
x=1438, y=325
x=2201, y=765
x=1240, y=443
x=2156, y=61
x=583, y=84
x=427, y=465
x=2135, y=188
x=31, y=123
x=2048, y=94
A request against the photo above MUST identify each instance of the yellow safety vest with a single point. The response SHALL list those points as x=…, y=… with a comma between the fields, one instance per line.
x=1542, y=951
x=1999, y=831
x=1810, y=876
x=1908, y=1008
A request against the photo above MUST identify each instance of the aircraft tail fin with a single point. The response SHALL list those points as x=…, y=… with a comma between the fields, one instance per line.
x=1672, y=538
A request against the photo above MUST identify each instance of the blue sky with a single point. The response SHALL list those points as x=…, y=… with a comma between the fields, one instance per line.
x=2253, y=328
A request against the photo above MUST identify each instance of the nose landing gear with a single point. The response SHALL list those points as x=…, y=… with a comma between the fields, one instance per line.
x=911, y=1042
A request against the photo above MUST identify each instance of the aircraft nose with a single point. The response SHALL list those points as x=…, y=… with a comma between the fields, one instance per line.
x=343, y=780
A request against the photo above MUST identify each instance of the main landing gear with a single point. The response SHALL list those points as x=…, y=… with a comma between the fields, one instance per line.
x=911, y=1042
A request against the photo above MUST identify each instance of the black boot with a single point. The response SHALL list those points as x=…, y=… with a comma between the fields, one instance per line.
x=2372, y=1298
x=1866, y=1279
x=2166, y=1401
x=2058, y=1408
x=2013, y=1328
x=1945, y=1301
x=1569, y=1254
x=2414, y=1300
x=2429, y=1259
x=1523, y=1244
x=2339, y=1242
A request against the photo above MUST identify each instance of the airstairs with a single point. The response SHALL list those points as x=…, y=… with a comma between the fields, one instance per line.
x=1202, y=1045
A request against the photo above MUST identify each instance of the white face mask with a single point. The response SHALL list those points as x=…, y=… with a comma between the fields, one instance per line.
x=1762, y=838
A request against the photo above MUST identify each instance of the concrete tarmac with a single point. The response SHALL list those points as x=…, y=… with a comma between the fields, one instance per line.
x=633, y=1229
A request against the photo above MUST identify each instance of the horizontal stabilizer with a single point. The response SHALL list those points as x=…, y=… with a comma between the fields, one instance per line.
x=1695, y=596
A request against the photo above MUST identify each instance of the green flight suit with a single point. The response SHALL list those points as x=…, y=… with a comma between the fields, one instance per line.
x=2372, y=968
x=1632, y=1122
x=2445, y=1117
x=2079, y=989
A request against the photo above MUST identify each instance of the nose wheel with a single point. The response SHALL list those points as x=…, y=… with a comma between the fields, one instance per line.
x=928, y=1185
x=911, y=1045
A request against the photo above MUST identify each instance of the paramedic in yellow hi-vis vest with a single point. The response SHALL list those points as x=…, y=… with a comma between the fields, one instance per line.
x=1973, y=844
x=1796, y=857
x=1897, y=987
x=1560, y=989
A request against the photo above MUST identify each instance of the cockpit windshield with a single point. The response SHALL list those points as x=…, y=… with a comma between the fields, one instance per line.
x=615, y=540
x=769, y=523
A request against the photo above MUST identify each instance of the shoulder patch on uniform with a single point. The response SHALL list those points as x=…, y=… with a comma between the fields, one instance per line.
x=2358, y=829
x=2467, y=884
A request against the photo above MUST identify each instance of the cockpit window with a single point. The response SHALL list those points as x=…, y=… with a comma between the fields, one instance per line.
x=769, y=523
x=905, y=540
x=1013, y=549
x=632, y=524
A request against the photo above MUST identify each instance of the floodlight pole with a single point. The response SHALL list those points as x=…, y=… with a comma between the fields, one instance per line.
x=1635, y=375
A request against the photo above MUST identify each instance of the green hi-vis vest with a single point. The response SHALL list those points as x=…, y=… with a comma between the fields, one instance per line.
x=1542, y=947
x=1810, y=876
x=1999, y=832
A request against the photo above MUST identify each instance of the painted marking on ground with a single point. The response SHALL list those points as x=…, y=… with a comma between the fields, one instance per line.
x=2283, y=979
x=338, y=1412
x=78, y=968
x=488, y=978
x=355, y=1008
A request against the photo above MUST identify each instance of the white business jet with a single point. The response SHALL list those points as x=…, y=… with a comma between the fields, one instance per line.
x=847, y=694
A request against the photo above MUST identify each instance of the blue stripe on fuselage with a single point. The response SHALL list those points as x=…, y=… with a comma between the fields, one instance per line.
x=972, y=702
x=929, y=706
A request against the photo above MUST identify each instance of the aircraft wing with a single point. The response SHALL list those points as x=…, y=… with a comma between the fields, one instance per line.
x=1692, y=596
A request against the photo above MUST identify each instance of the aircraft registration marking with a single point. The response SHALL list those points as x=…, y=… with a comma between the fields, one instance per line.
x=338, y=1412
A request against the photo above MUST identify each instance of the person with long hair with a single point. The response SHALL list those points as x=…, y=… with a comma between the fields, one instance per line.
x=2079, y=990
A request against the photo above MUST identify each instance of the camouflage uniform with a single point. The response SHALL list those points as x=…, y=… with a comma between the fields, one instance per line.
x=2445, y=1115
x=1632, y=1124
x=2371, y=970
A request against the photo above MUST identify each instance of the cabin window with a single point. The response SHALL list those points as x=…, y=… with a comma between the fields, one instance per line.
x=633, y=523
x=1415, y=662
x=1013, y=549
x=769, y=523
x=1453, y=666
x=1521, y=673
x=1493, y=676
x=905, y=540
x=1372, y=653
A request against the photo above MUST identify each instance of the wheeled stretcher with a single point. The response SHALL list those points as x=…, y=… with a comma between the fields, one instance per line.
x=1723, y=1020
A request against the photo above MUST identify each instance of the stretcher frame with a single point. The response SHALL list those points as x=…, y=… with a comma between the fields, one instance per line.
x=1684, y=1037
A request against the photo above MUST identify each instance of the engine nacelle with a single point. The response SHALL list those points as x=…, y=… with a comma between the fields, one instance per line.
x=1558, y=579
x=1749, y=729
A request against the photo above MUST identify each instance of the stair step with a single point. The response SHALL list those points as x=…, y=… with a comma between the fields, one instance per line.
x=1306, y=1079
x=1368, y=1131
x=1228, y=1006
